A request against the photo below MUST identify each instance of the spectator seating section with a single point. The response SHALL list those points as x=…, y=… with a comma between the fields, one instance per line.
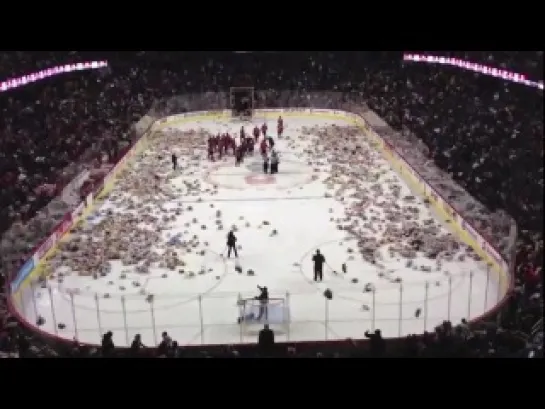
x=485, y=131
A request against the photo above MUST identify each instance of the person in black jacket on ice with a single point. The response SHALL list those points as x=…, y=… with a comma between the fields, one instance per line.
x=318, y=259
x=231, y=244
x=239, y=154
x=263, y=298
x=274, y=162
x=174, y=161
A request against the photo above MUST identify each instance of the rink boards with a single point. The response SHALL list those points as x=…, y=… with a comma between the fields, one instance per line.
x=21, y=294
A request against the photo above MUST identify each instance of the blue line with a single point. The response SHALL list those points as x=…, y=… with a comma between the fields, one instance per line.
x=255, y=199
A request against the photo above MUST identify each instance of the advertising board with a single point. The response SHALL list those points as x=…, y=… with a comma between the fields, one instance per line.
x=78, y=211
x=22, y=274
x=63, y=226
x=89, y=200
x=45, y=247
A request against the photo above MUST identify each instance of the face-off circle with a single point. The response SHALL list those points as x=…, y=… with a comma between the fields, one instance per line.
x=260, y=179
x=292, y=174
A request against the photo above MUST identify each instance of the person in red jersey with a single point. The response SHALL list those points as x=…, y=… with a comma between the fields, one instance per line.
x=210, y=148
x=232, y=143
x=280, y=126
x=221, y=145
x=226, y=143
x=216, y=143
x=243, y=145
x=256, y=133
x=263, y=148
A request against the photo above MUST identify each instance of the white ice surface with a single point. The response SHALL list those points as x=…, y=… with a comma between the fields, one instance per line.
x=204, y=309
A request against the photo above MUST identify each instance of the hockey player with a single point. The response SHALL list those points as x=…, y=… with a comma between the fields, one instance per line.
x=263, y=148
x=228, y=144
x=231, y=244
x=319, y=260
x=174, y=161
x=239, y=154
x=274, y=162
x=249, y=146
x=263, y=298
x=264, y=130
x=256, y=133
x=265, y=164
x=216, y=143
x=231, y=144
x=222, y=146
x=271, y=142
x=210, y=148
x=280, y=126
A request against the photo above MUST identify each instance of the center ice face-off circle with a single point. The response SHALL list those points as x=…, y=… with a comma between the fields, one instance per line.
x=275, y=225
x=292, y=174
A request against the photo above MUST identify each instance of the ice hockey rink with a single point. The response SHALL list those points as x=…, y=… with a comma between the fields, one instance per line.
x=333, y=192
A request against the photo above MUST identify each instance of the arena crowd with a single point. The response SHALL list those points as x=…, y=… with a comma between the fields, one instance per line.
x=485, y=132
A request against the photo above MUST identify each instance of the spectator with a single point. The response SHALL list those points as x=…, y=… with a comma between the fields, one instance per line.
x=378, y=345
x=165, y=344
x=136, y=346
x=266, y=341
x=108, y=347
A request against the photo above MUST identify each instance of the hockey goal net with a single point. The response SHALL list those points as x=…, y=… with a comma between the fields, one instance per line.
x=254, y=314
x=242, y=103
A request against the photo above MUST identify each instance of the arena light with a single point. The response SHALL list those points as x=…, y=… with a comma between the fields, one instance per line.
x=259, y=52
x=17, y=82
x=476, y=67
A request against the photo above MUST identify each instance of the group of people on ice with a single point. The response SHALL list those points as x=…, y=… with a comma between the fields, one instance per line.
x=222, y=144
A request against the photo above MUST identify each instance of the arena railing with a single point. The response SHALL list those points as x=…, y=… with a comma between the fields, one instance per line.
x=193, y=319
x=348, y=102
